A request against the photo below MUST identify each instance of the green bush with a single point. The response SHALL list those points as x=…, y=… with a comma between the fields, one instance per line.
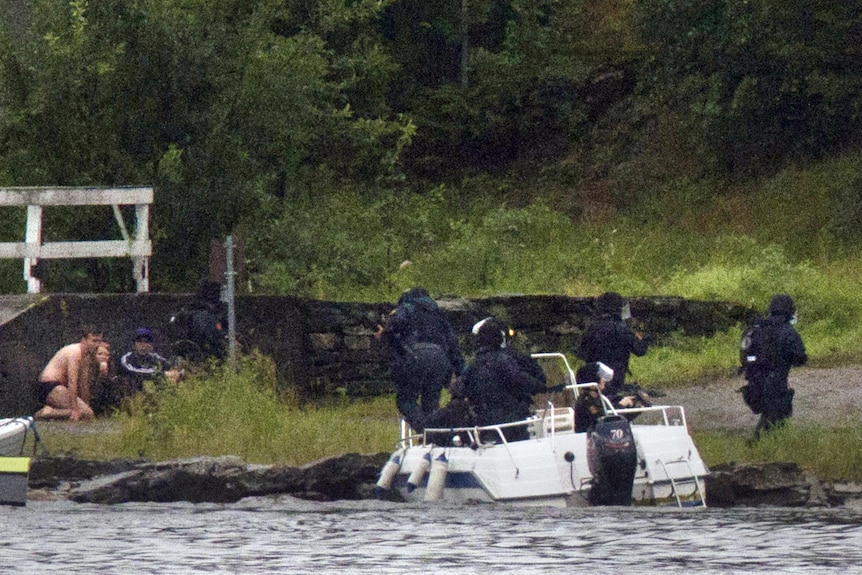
x=219, y=411
x=695, y=238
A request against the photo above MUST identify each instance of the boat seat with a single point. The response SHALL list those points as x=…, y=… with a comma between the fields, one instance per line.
x=563, y=421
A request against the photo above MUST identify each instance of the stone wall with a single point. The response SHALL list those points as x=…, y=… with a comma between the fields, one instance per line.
x=318, y=346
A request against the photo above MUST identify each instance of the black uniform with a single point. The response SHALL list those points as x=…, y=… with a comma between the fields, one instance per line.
x=780, y=349
x=500, y=389
x=424, y=354
x=609, y=340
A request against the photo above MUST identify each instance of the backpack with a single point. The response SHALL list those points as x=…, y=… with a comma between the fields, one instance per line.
x=752, y=344
x=754, y=353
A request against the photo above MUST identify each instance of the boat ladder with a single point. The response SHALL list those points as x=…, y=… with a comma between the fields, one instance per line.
x=690, y=479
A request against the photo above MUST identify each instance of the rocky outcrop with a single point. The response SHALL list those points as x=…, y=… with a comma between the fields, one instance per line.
x=204, y=479
x=775, y=485
x=353, y=476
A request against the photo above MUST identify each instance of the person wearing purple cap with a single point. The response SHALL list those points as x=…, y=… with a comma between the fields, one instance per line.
x=143, y=363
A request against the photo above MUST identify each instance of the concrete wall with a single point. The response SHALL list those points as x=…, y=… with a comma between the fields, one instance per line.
x=317, y=346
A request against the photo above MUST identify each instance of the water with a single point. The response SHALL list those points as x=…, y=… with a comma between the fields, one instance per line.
x=285, y=535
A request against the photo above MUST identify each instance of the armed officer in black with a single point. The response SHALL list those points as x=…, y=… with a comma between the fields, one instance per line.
x=499, y=384
x=780, y=348
x=423, y=354
x=610, y=340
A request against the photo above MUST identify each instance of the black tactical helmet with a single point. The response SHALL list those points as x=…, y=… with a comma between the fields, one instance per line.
x=610, y=302
x=489, y=333
x=588, y=373
x=782, y=305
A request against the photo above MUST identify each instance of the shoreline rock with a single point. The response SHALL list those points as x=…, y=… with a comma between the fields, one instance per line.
x=202, y=479
x=779, y=484
x=353, y=476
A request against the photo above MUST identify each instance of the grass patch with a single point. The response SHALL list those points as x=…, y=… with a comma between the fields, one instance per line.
x=831, y=453
x=686, y=360
x=222, y=412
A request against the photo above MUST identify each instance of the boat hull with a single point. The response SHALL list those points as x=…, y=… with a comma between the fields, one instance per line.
x=552, y=467
x=14, y=469
x=554, y=470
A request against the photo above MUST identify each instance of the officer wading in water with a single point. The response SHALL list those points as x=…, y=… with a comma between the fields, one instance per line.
x=769, y=348
x=423, y=355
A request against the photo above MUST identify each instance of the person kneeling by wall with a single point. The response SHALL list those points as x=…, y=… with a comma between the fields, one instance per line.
x=64, y=384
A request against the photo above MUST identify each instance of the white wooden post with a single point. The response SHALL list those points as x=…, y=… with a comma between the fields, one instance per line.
x=33, y=241
x=139, y=248
x=141, y=263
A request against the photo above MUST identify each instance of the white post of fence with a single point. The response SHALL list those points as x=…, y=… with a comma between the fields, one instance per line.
x=33, y=240
x=32, y=249
x=141, y=263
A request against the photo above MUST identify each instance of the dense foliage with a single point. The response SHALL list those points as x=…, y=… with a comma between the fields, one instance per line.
x=497, y=145
x=359, y=147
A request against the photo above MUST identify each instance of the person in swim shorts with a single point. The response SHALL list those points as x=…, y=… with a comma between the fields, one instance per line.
x=64, y=384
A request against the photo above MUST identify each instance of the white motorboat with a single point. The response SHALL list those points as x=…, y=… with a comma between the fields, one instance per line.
x=13, y=435
x=650, y=461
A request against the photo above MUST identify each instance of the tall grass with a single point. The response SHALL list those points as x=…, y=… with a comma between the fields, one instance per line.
x=219, y=411
x=831, y=452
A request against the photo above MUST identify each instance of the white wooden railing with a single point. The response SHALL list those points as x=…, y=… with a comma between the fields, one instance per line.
x=137, y=247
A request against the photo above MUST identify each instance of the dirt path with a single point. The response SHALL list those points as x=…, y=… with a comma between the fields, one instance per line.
x=822, y=395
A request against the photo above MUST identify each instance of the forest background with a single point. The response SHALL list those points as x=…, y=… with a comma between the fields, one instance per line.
x=706, y=149
x=476, y=147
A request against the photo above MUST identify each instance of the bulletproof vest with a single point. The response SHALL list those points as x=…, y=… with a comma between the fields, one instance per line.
x=759, y=343
x=424, y=326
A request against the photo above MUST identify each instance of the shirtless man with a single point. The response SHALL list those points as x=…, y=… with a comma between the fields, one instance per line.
x=66, y=380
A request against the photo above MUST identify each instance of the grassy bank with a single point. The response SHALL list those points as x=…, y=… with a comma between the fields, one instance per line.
x=219, y=412
x=796, y=232
x=224, y=413
x=831, y=452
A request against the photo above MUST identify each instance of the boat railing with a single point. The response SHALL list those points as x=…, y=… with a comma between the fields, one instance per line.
x=13, y=435
x=568, y=372
x=477, y=435
x=553, y=420
x=547, y=422
x=671, y=415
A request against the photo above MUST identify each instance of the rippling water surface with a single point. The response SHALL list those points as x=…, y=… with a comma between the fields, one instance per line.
x=286, y=535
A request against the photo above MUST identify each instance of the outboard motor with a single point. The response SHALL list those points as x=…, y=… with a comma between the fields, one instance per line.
x=612, y=458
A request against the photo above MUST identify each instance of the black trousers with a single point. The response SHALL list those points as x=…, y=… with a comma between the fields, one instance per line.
x=419, y=375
